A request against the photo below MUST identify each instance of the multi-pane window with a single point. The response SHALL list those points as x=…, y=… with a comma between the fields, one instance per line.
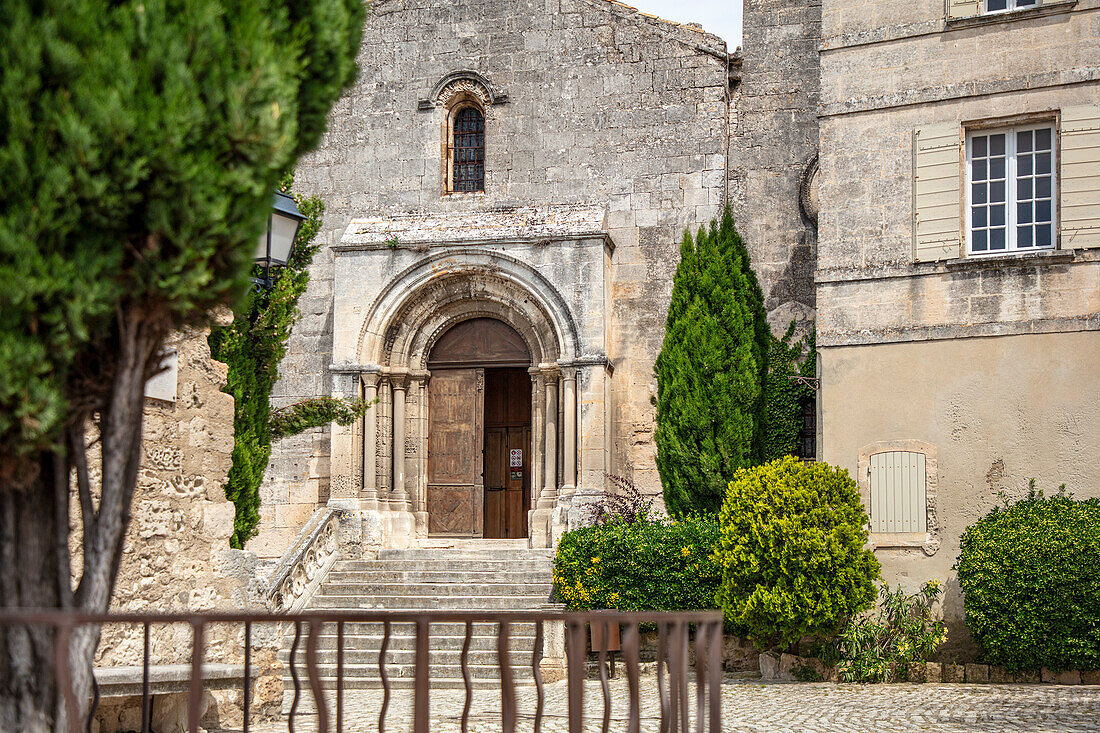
x=468, y=149
x=997, y=6
x=1011, y=189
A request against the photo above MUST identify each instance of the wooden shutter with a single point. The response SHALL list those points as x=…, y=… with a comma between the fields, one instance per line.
x=898, y=492
x=937, y=168
x=1079, y=212
x=964, y=8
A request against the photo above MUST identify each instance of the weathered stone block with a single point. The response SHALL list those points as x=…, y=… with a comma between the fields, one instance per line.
x=954, y=673
x=769, y=666
x=933, y=672
x=998, y=675
x=1090, y=677
x=917, y=672
x=1068, y=677
x=978, y=673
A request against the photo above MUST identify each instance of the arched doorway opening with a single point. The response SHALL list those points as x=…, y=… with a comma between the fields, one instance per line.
x=479, y=432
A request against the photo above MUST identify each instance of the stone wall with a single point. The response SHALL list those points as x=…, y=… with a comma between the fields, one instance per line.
x=983, y=360
x=176, y=554
x=773, y=153
x=605, y=106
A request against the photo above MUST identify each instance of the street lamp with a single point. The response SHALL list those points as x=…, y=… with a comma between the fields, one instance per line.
x=277, y=243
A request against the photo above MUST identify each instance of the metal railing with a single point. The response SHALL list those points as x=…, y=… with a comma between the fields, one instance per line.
x=673, y=679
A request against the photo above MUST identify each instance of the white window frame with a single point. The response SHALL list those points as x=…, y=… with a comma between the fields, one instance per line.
x=1011, y=189
x=1010, y=7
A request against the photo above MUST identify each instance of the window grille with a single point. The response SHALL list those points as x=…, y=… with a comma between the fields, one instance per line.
x=469, y=150
x=807, y=436
x=898, y=492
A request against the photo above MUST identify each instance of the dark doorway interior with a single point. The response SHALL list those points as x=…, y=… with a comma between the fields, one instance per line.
x=507, y=448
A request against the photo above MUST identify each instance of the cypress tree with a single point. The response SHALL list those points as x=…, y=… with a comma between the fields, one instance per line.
x=710, y=370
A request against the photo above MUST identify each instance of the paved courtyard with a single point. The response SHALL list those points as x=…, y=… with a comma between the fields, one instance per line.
x=753, y=706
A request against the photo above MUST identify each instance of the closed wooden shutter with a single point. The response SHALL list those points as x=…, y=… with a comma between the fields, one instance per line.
x=964, y=8
x=898, y=492
x=937, y=168
x=1079, y=212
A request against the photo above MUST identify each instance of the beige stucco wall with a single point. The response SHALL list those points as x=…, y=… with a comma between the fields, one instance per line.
x=999, y=411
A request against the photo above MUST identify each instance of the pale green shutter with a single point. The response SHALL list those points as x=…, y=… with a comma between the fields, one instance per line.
x=899, y=492
x=964, y=8
x=937, y=168
x=1079, y=212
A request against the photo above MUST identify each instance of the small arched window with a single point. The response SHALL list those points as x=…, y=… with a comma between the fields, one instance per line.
x=468, y=151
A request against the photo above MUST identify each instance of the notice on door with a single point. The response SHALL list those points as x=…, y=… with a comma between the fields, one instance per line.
x=515, y=458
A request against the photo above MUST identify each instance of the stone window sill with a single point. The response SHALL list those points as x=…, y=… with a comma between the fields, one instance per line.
x=1039, y=11
x=888, y=540
x=1025, y=259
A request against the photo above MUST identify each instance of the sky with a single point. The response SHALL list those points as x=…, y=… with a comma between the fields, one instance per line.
x=720, y=17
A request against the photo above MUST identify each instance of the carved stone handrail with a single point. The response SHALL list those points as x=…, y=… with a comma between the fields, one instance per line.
x=305, y=563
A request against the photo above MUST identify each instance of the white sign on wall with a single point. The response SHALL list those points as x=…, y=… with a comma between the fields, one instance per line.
x=163, y=385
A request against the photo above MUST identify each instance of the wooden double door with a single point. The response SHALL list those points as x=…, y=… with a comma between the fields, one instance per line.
x=479, y=442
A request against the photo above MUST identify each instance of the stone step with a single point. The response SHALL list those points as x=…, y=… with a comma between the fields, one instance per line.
x=375, y=629
x=458, y=568
x=518, y=656
x=486, y=642
x=405, y=671
x=451, y=589
x=437, y=576
x=428, y=603
x=466, y=554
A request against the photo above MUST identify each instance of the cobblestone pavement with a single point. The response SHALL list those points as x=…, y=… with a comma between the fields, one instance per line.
x=754, y=707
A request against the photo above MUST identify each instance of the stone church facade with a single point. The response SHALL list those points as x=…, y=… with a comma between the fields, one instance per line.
x=506, y=189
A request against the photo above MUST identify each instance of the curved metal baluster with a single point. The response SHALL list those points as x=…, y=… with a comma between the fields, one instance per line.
x=662, y=665
x=382, y=674
x=575, y=661
x=605, y=632
x=422, y=674
x=95, y=706
x=536, y=671
x=630, y=657
x=247, y=674
x=507, y=683
x=146, y=706
x=194, y=696
x=701, y=639
x=64, y=676
x=682, y=674
x=315, y=677
x=464, y=662
x=714, y=674
x=294, y=676
x=339, y=676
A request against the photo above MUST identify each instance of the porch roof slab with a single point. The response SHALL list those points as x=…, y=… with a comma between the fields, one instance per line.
x=527, y=223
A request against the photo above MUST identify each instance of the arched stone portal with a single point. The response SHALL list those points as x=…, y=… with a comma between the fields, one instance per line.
x=425, y=330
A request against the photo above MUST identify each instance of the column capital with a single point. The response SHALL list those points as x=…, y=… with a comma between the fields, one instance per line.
x=550, y=370
x=371, y=378
x=400, y=379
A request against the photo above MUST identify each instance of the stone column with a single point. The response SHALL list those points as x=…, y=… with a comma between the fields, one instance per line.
x=534, y=460
x=550, y=455
x=399, y=499
x=569, y=431
x=369, y=498
x=343, y=454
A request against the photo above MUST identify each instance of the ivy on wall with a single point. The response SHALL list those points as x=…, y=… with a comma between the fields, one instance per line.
x=783, y=395
x=253, y=346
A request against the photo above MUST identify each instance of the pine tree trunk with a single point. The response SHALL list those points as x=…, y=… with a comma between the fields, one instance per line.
x=34, y=539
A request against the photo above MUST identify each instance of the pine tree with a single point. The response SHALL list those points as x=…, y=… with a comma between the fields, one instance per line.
x=140, y=142
x=710, y=370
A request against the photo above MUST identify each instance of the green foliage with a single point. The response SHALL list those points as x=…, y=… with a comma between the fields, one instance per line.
x=878, y=647
x=648, y=565
x=783, y=396
x=140, y=141
x=802, y=673
x=792, y=552
x=710, y=370
x=253, y=346
x=313, y=413
x=1030, y=575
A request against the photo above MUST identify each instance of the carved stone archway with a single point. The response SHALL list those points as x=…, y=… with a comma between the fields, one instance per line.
x=410, y=316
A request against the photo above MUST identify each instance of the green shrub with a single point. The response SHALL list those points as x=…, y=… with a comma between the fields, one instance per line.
x=1030, y=574
x=792, y=553
x=647, y=565
x=879, y=646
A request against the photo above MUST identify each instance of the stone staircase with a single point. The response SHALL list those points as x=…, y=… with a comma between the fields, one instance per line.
x=464, y=575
